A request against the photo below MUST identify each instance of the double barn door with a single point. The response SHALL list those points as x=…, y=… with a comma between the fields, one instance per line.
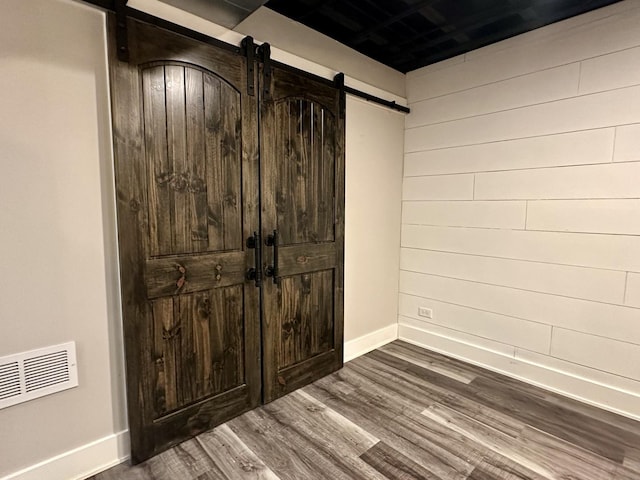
x=230, y=224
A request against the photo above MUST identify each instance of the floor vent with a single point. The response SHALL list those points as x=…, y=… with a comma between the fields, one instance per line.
x=28, y=375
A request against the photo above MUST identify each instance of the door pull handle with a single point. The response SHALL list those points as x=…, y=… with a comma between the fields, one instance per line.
x=255, y=273
x=272, y=270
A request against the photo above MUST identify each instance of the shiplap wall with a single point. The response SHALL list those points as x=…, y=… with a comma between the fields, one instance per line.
x=521, y=207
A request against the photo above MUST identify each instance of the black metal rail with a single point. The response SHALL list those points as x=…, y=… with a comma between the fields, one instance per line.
x=117, y=5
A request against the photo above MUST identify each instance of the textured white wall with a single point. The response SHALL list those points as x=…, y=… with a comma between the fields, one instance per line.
x=58, y=260
x=521, y=211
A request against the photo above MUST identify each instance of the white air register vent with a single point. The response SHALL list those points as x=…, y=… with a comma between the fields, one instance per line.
x=28, y=375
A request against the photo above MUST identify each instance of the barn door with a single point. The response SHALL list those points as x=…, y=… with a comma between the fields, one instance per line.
x=185, y=139
x=302, y=180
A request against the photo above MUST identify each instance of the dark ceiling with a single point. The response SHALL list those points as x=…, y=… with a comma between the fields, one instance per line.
x=409, y=34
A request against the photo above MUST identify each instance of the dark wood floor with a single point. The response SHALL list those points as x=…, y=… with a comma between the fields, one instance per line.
x=401, y=412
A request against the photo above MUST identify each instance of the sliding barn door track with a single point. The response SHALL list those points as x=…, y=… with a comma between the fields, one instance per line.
x=122, y=11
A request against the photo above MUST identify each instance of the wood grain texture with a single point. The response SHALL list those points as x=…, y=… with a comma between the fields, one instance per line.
x=188, y=172
x=438, y=367
x=188, y=461
x=302, y=175
x=305, y=456
x=632, y=463
x=393, y=464
x=192, y=137
x=231, y=155
x=305, y=195
x=232, y=456
x=307, y=316
x=305, y=258
x=563, y=458
x=186, y=164
x=496, y=467
x=381, y=417
x=155, y=133
x=323, y=423
x=595, y=436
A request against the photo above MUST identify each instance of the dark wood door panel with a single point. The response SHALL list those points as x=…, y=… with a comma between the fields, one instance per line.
x=305, y=192
x=164, y=47
x=186, y=164
x=302, y=177
x=187, y=274
x=307, y=257
x=288, y=84
x=193, y=149
x=306, y=316
x=171, y=429
x=304, y=373
x=192, y=184
x=198, y=346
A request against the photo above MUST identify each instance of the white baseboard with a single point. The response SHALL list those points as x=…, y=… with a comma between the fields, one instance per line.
x=97, y=456
x=81, y=462
x=364, y=344
x=568, y=384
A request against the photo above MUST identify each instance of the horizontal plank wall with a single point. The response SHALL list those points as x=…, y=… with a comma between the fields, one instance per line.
x=521, y=207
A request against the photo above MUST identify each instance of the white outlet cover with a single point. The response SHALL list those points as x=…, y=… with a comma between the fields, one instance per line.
x=425, y=312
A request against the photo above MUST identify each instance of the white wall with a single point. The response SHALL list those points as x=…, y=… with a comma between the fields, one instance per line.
x=56, y=224
x=521, y=211
x=372, y=224
x=59, y=279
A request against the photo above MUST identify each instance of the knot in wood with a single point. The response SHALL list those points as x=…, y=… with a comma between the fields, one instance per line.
x=183, y=276
x=230, y=199
x=182, y=182
x=197, y=185
x=168, y=334
x=179, y=182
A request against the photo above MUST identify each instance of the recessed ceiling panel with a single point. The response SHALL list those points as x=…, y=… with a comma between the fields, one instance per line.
x=409, y=34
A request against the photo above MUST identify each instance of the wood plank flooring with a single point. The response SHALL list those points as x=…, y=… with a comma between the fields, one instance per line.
x=402, y=412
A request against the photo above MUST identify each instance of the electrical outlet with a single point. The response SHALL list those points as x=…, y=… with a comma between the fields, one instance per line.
x=425, y=312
